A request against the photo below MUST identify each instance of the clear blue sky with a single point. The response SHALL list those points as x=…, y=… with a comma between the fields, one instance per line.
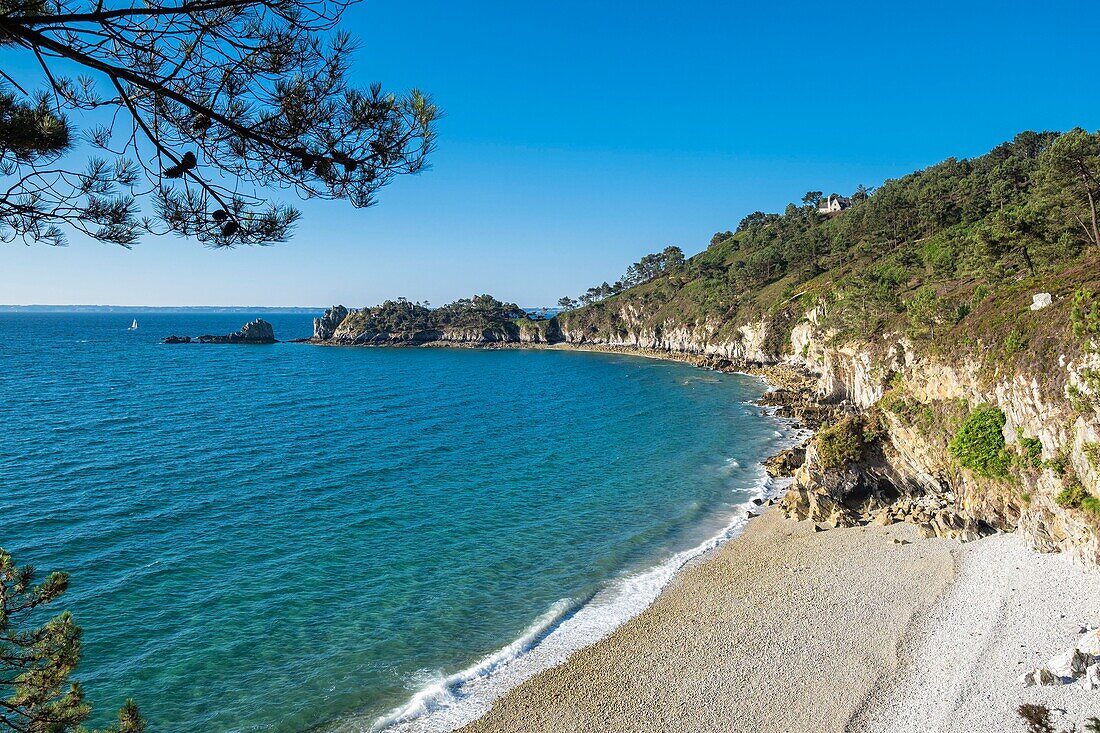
x=580, y=135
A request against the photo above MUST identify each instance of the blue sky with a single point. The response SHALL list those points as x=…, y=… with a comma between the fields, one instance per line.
x=581, y=135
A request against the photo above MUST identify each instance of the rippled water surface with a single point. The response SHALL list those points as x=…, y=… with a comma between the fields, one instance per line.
x=270, y=538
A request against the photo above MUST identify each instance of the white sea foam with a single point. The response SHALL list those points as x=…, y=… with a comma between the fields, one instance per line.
x=448, y=702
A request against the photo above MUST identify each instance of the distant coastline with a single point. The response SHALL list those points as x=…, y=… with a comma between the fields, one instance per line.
x=156, y=309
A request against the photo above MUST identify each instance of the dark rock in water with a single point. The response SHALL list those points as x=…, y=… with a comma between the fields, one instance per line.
x=258, y=331
x=326, y=325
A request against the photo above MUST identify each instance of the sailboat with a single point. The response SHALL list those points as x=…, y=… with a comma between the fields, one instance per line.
x=133, y=326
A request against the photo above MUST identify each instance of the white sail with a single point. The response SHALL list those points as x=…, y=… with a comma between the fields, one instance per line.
x=133, y=326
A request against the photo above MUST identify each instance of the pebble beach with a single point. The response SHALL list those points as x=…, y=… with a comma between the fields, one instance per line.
x=787, y=628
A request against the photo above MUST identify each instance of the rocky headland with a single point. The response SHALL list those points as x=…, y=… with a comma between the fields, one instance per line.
x=258, y=331
x=480, y=320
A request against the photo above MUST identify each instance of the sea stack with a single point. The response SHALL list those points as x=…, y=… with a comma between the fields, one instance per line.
x=258, y=331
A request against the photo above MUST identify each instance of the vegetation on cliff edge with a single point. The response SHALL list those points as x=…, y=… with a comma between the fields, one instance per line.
x=401, y=316
x=979, y=445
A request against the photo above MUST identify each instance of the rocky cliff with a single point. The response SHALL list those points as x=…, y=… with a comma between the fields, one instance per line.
x=625, y=325
x=918, y=399
x=325, y=326
x=921, y=399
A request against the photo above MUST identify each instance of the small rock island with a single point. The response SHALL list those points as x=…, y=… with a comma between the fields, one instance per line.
x=258, y=331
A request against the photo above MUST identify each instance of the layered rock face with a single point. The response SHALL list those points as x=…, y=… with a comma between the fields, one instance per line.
x=910, y=475
x=627, y=327
x=325, y=326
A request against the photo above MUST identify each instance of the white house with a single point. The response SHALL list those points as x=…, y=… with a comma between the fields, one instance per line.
x=834, y=204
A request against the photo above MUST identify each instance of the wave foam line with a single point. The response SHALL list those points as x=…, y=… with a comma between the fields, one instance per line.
x=568, y=626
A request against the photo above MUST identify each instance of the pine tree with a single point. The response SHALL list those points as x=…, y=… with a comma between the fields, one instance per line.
x=201, y=107
x=36, y=661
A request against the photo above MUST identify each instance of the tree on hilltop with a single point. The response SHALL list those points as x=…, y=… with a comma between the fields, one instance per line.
x=36, y=661
x=1069, y=180
x=567, y=303
x=720, y=237
x=200, y=107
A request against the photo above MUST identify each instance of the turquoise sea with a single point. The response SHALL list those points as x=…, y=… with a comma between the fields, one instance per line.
x=291, y=537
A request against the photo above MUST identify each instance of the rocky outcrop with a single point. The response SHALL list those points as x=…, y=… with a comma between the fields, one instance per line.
x=1080, y=665
x=912, y=458
x=325, y=326
x=879, y=489
x=468, y=335
x=258, y=331
x=784, y=463
x=539, y=332
x=336, y=327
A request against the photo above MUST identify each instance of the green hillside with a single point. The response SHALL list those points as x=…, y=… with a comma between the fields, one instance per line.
x=940, y=253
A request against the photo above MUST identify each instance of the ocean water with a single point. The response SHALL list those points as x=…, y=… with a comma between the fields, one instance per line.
x=290, y=537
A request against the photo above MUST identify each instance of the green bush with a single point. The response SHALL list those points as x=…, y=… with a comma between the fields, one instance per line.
x=979, y=444
x=1084, y=315
x=1015, y=342
x=1092, y=453
x=1032, y=452
x=1072, y=495
x=841, y=443
x=1091, y=505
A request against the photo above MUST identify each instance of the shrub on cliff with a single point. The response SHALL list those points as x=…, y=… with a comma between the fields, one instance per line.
x=841, y=443
x=979, y=445
x=1076, y=496
x=1085, y=314
x=1032, y=452
x=1091, y=505
x=1072, y=495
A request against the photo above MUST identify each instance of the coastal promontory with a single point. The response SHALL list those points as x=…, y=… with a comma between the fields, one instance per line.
x=481, y=319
